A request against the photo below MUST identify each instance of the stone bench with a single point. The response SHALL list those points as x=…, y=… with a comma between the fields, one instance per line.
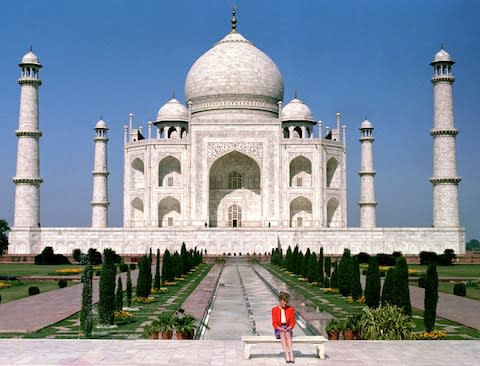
x=318, y=341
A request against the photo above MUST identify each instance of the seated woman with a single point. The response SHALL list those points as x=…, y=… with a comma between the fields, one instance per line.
x=283, y=321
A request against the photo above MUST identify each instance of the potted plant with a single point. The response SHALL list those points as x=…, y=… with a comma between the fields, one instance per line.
x=185, y=324
x=152, y=330
x=348, y=325
x=355, y=322
x=166, y=325
x=333, y=329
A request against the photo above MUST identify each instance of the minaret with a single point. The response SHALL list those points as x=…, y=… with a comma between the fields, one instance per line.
x=367, y=177
x=100, y=173
x=444, y=180
x=27, y=179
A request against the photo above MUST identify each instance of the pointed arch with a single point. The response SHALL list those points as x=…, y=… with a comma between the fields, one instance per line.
x=300, y=212
x=137, y=174
x=235, y=177
x=333, y=173
x=137, y=211
x=169, y=172
x=169, y=212
x=333, y=213
x=300, y=172
x=297, y=133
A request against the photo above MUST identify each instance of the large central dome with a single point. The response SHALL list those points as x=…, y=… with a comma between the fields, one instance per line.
x=234, y=74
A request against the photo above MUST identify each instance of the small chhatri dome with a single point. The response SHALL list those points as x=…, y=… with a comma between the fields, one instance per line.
x=101, y=124
x=173, y=110
x=296, y=110
x=366, y=124
x=30, y=58
x=442, y=56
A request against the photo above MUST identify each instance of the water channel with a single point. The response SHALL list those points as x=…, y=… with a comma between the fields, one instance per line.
x=242, y=305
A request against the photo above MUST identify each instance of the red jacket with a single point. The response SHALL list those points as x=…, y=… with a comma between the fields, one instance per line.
x=277, y=315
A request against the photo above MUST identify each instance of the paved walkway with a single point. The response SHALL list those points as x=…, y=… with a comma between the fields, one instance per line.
x=41, y=352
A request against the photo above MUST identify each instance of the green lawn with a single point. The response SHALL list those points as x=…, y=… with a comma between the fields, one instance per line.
x=20, y=291
x=27, y=269
x=456, y=270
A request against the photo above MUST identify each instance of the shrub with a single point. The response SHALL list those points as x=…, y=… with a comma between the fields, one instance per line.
x=431, y=298
x=129, y=288
x=385, y=259
x=143, y=285
x=401, y=292
x=33, y=290
x=48, y=257
x=76, y=254
x=86, y=322
x=0, y=298
x=372, y=285
x=345, y=270
x=446, y=259
x=387, y=290
x=460, y=289
x=421, y=281
x=133, y=266
x=312, y=272
x=118, y=300
x=387, y=322
x=107, y=288
x=428, y=257
x=167, y=267
x=356, y=286
x=62, y=283
x=321, y=270
x=156, y=281
x=123, y=267
x=363, y=257
x=94, y=257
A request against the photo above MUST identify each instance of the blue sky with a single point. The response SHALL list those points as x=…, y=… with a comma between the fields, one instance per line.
x=359, y=58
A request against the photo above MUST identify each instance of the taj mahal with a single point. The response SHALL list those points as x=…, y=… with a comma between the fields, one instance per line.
x=235, y=169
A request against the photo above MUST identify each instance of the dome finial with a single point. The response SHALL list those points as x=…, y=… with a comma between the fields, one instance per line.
x=173, y=94
x=30, y=48
x=295, y=95
x=441, y=46
x=101, y=116
x=234, y=18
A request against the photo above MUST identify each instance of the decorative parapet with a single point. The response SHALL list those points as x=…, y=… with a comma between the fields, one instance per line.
x=235, y=101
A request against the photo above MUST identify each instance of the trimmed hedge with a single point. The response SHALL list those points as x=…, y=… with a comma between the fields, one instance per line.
x=62, y=283
x=460, y=289
x=33, y=290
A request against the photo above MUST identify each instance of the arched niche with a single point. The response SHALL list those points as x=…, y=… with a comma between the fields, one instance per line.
x=169, y=172
x=169, y=212
x=300, y=172
x=300, y=212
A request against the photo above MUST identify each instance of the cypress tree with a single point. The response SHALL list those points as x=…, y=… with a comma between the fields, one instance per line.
x=321, y=272
x=372, y=286
x=387, y=290
x=345, y=273
x=156, y=282
x=167, y=270
x=118, y=301
x=143, y=287
x=356, y=289
x=431, y=298
x=184, y=255
x=312, y=274
x=177, y=264
x=288, y=259
x=401, y=292
x=129, y=288
x=328, y=266
x=86, y=323
x=149, y=273
x=296, y=260
x=334, y=278
x=306, y=263
x=107, y=288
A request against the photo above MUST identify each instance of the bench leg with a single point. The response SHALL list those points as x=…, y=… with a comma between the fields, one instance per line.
x=321, y=351
x=246, y=350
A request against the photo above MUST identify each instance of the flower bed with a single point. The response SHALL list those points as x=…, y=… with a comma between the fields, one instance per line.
x=434, y=335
